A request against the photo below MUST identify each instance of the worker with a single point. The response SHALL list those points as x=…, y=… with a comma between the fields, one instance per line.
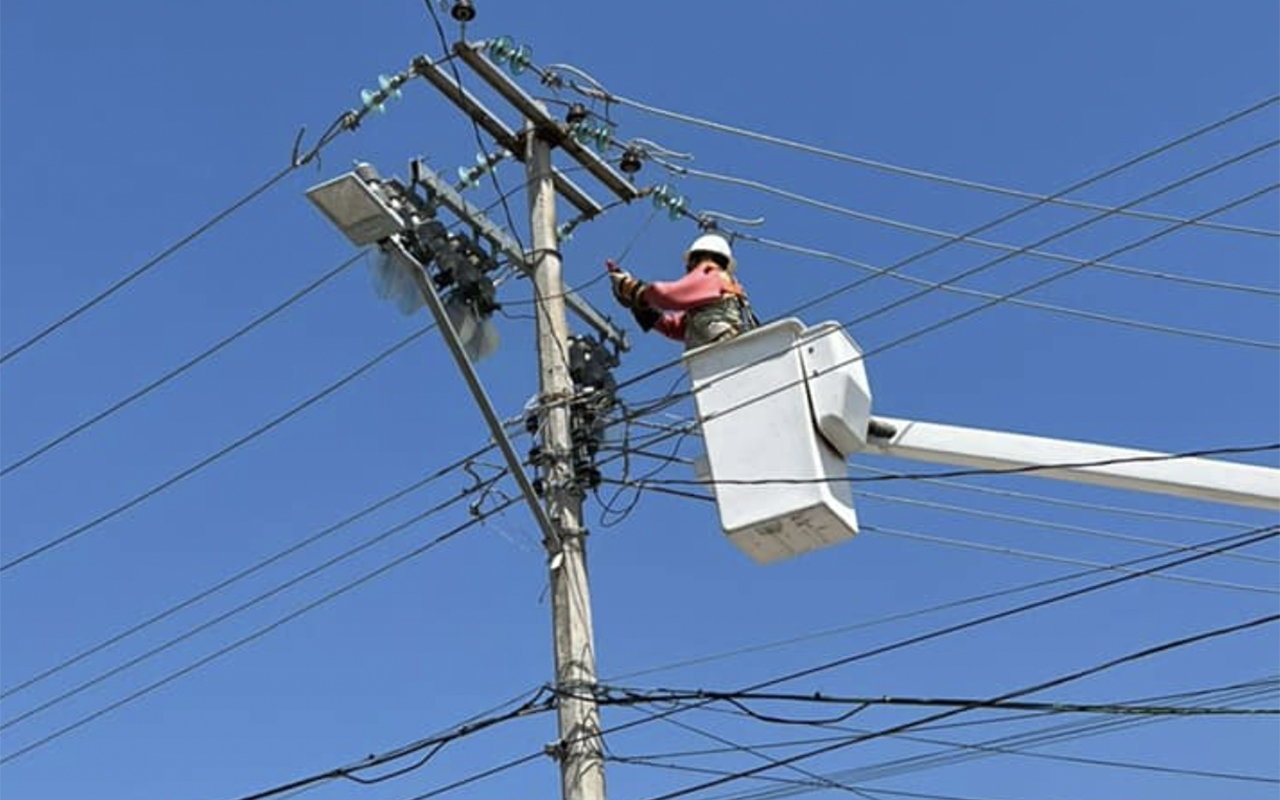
x=706, y=305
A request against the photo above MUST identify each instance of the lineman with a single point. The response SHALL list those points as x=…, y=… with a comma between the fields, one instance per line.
x=707, y=305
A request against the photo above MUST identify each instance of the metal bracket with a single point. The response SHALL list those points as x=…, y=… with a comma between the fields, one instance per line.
x=444, y=193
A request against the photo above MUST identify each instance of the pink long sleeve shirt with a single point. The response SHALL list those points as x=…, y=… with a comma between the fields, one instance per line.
x=698, y=287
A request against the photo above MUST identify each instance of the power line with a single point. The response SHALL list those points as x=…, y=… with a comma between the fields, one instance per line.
x=971, y=232
x=207, y=460
x=1094, y=316
x=365, y=578
x=622, y=696
x=1056, y=198
x=432, y=744
x=1019, y=744
x=246, y=605
x=966, y=473
x=176, y=371
x=1056, y=559
x=1219, y=546
x=1011, y=695
x=242, y=574
x=961, y=238
x=346, y=121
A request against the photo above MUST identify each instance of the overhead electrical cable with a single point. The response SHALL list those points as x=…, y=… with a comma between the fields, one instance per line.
x=1204, y=550
x=971, y=472
x=1017, y=744
x=1079, y=530
x=894, y=343
x=1162, y=232
x=241, y=574
x=682, y=426
x=1056, y=198
x=240, y=608
x=961, y=238
x=1014, y=552
x=346, y=121
x=1094, y=316
x=259, y=633
x=1054, y=682
x=176, y=371
x=85, y=527
x=536, y=704
x=1017, y=212
x=610, y=695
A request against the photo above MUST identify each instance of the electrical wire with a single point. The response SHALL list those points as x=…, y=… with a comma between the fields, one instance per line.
x=1002, y=746
x=433, y=744
x=242, y=574
x=964, y=314
x=965, y=473
x=176, y=371
x=1079, y=530
x=211, y=458
x=961, y=238
x=1019, y=744
x=247, y=604
x=999, y=220
x=623, y=696
x=259, y=633
x=1056, y=198
x=686, y=426
x=1059, y=680
x=345, y=121
x=1094, y=316
x=1218, y=546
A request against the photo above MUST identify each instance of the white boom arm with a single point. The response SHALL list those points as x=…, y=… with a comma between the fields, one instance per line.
x=1084, y=462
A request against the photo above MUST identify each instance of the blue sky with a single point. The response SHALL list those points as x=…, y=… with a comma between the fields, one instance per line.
x=128, y=125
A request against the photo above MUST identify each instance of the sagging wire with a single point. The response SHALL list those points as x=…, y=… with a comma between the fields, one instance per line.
x=597, y=92
x=537, y=704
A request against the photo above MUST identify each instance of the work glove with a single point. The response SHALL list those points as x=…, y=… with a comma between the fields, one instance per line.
x=646, y=316
x=627, y=289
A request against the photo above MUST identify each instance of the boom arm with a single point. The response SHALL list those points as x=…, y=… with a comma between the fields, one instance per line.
x=1084, y=462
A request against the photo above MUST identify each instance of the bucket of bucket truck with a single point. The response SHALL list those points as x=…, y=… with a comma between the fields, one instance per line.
x=763, y=398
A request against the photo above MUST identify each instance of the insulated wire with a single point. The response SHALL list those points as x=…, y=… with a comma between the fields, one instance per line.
x=1079, y=530
x=1056, y=198
x=1220, y=545
x=1009, y=216
x=466, y=728
x=1014, y=694
x=967, y=472
x=154, y=261
x=176, y=371
x=1027, y=554
x=207, y=460
x=244, y=606
x=242, y=574
x=344, y=122
x=1020, y=744
x=1056, y=559
x=1220, y=695
x=368, y=576
x=1046, y=499
x=684, y=427
x=894, y=343
x=1095, y=316
x=949, y=236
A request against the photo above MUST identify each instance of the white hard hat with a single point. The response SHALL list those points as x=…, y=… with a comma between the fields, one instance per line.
x=712, y=243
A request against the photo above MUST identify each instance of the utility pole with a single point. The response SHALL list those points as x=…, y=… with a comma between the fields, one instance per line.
x=579, y=751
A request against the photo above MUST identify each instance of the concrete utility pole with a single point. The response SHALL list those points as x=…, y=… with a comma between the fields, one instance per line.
x=580, y=751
